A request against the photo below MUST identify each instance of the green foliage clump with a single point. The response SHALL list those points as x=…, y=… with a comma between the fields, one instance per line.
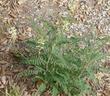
x=60, y=64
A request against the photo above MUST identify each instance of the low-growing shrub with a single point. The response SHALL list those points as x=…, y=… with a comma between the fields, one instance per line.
x=60, y=64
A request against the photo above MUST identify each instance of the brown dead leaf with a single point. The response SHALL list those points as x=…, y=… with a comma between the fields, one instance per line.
x=2, y=81
x=21, y=1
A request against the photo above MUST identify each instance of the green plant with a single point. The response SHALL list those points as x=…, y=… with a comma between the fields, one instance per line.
x=12, y=90
x=60, y=64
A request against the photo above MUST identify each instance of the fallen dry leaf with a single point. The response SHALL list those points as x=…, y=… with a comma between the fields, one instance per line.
x=21, y=1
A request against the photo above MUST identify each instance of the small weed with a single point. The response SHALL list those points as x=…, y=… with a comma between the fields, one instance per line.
x=60, y=64
x=12, y=90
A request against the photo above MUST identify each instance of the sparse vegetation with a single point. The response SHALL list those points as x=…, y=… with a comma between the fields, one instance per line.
x=54, y=47
x=61, y=64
